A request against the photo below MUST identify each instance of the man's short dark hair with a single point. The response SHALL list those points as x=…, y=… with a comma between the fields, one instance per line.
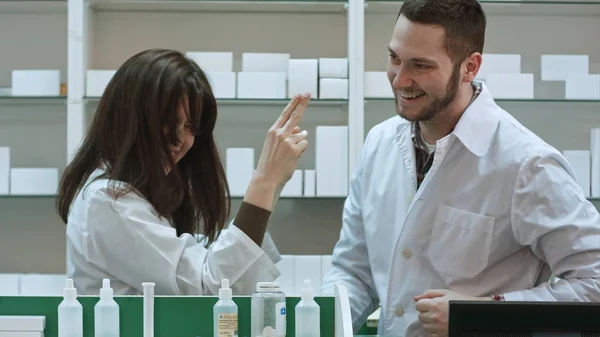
x=462, y=20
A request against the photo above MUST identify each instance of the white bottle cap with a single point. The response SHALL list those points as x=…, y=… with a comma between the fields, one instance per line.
x=266, y=287
x=106, y=292
x=225, y=291
x=70, y=292
x=307, y=292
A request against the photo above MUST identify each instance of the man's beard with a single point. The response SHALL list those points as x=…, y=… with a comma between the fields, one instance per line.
x=438, y=105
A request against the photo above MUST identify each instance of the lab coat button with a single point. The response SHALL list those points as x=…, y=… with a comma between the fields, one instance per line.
x=407, y=253
x=399, y=311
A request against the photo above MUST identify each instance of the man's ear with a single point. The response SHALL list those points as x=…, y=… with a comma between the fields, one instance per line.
x=471, y=67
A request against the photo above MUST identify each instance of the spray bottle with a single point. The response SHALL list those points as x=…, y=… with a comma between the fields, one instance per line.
x=70, y=313
x=106, y=313
x=308, y=314
x=225, y=313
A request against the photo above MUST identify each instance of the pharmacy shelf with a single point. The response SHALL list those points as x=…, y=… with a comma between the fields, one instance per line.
x=260, y=101
x=26, y=6
x=32, y=100
x=245, y=6
x=510, y=7
x=27, y=196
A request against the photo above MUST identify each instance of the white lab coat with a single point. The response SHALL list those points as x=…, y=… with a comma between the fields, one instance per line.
x=127, y=242
x=498, y=211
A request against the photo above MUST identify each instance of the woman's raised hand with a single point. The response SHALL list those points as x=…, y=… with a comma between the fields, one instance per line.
x=285, y=143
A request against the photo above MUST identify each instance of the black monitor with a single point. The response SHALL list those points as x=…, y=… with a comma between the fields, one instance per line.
x=523, y=319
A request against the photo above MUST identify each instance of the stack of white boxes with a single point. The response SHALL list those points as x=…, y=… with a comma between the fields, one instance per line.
x=328, y=179
x=296, y=268
x=333, y=78
x=218, y=67
x=25, y=180
x=586, y=165
x=263, y=75
x=574, y=71
x=22, y=326
x=41, y=83
x=377, y=85
x=96, y=81
x=503, y=77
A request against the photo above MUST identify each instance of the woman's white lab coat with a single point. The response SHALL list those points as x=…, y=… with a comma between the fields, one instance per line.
x=128, y=242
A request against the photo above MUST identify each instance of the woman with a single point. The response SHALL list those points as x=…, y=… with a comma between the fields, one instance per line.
x=147, y=178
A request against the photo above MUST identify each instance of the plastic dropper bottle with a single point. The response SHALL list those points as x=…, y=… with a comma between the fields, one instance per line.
x=70, y=313
x=225, y=313
x=308, y=314
x=106, y=313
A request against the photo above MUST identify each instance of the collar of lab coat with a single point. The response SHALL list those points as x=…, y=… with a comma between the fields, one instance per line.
x=477, y=126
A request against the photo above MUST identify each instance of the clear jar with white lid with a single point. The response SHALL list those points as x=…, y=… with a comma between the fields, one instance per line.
x=268, y=316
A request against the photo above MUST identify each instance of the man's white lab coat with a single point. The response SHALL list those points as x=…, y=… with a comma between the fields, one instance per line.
x=498, y=211
x=128, y=242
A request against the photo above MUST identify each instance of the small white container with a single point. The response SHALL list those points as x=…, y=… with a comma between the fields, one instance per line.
x=70, y=313
x=106, y=313
x=308, y=314
x=225, y=313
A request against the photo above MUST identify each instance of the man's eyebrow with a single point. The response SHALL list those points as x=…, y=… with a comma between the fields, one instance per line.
x=390, y=50
x=422, y=60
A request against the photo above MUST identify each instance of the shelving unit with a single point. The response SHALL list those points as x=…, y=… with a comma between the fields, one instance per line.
x=78, y=35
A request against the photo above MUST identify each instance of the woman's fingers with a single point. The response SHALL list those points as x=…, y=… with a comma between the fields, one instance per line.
x=301, y=147
x=287, y=111
x=297, y=137
x=297, y=114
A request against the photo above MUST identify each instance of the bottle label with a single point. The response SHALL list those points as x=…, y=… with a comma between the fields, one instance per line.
x=228, y=325
x=280, y=314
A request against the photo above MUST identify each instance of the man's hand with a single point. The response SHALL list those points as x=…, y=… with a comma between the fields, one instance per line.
x=433, y=309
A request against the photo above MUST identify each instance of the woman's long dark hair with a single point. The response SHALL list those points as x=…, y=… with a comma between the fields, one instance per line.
x=131, y=134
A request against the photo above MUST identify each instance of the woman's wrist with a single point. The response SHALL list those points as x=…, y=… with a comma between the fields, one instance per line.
x=261, y=193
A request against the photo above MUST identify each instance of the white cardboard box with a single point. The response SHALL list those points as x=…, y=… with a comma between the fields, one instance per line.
x=331, y=161
x=309, y=183
x=333, y=88
x=582, y=87
x=595, y=167
x=499, y=64
x=257, y=85
x=377, y=85
x=43, y=284
x=265, y=62
x=10, y=284
x=36, y=82
x=212, y=61
x=287, y=268
x=333, y=67
x=557, y=67
x=22, y=323
x=33, y=181
x=4, y=170
x=96, y=81
x=325, y=265
x=239, y=169
x=580, y=161
x=510, y=86
x=223, y=84
x=21, y=334
x=303, y=77
x=293, y=188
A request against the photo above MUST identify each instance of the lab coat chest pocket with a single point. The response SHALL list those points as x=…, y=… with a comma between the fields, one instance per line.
x=460, y=242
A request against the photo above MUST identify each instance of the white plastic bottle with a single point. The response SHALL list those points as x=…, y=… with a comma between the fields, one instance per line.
x=308, y=314
x=225, y=313
x=70, y=313
x=106, y=313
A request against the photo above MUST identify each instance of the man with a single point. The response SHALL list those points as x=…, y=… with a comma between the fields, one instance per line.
x=453, y=198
